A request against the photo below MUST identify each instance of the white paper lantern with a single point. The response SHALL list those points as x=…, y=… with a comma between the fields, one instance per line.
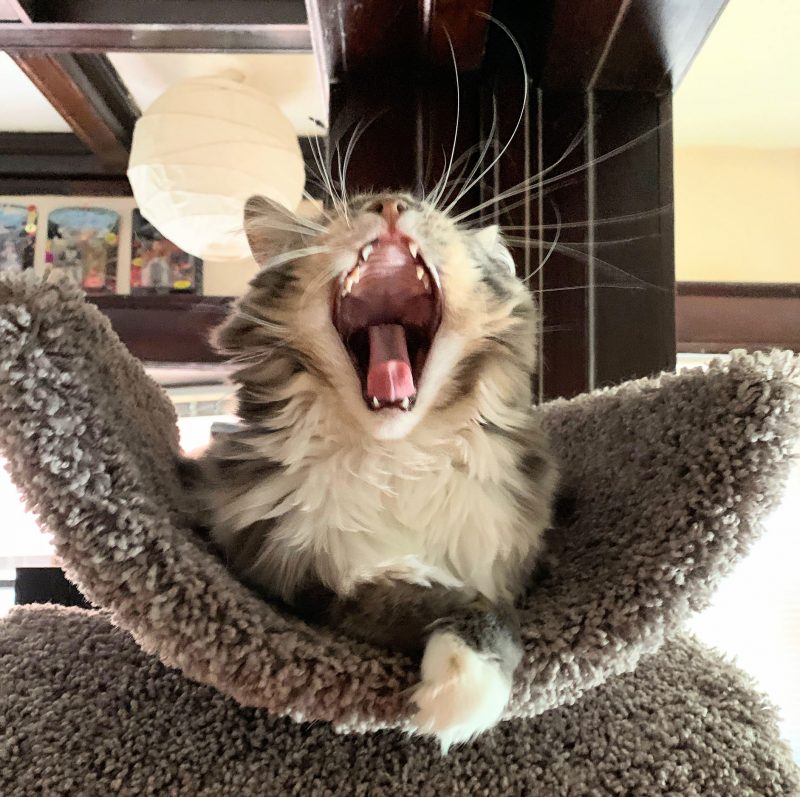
x=200, y=151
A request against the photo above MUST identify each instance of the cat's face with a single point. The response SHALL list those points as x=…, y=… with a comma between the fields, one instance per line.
x=386, y=311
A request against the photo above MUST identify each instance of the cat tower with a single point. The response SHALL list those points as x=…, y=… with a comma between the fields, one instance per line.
x=184, y=682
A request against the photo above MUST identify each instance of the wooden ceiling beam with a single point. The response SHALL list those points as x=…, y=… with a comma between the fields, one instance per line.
x=154, y=38
x=85, y=90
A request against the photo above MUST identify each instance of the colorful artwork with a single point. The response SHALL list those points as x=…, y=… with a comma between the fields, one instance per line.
x=17, y=236
x=158, y=265
x=82, y=245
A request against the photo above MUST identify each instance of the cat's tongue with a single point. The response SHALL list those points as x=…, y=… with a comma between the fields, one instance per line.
x=389, y=377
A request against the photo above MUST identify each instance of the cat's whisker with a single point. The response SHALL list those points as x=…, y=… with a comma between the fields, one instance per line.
x=465, y=156
x=521, y=116
x=535, y=181
x=324, y=169
x=552, y=246
x=523, y=241
x=276, y=329
x=595, y=285
x=348, y=153
x=449, y=162
x=287, y=257
x=630, y=217
x=584, y=257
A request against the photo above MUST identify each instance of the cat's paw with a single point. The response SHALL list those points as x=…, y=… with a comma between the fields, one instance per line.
x=463, y=692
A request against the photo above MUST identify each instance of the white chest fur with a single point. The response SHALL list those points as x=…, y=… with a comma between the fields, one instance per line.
x=356, y=511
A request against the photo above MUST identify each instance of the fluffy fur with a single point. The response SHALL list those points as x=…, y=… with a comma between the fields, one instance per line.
x=316, y=497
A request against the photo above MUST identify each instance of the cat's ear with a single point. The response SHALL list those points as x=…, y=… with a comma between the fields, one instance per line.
x=270, y=228
x=492, y=242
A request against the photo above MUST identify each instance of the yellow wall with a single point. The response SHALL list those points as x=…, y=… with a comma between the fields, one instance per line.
x=737, y=214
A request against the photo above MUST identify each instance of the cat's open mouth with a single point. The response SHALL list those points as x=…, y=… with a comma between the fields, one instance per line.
x=387, y=310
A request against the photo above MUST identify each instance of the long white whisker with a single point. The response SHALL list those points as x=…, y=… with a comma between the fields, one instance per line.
x=295, y=254
x=449, y=162
x=601, y=285
x=484, y=150
x=645, y=214
x=551, y=181
x=520, y=240
x=552, y=246
x=523, y=109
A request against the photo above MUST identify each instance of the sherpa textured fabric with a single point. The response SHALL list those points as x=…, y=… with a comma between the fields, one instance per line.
x=671, y=477
x=87, y=713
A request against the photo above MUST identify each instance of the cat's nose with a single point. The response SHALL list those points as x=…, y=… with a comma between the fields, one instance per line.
x=391, y=212
x=390, y=209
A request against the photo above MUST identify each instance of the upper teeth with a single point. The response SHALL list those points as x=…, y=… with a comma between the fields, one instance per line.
x=412, y=247
x=366, y=252
x=420, y=272
x=405, y=403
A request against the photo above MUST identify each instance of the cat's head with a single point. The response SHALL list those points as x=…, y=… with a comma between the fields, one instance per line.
x=384, y=311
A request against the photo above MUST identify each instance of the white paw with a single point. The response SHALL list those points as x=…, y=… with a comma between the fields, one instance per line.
x=462, y=693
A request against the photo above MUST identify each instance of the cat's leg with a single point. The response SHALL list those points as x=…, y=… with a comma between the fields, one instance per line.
x=467, y=672
x=470, y=649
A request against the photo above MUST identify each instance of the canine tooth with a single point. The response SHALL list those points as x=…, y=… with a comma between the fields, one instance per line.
x=375, y=402
x=356, y=274
x=405, y=403
x=420, y=272
x=366, y=252
x=426, y=282
x=413, y=248
x=348, y=284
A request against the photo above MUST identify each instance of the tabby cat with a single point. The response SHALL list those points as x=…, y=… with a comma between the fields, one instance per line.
x=388, y=477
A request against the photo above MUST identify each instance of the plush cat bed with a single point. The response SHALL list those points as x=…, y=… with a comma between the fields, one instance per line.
x=670, y=476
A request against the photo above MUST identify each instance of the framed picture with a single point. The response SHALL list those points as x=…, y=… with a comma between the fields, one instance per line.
x=18, y=225
x=82, y=244
x=158, y=265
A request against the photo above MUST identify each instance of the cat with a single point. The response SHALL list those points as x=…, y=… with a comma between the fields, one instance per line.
x=388, y=477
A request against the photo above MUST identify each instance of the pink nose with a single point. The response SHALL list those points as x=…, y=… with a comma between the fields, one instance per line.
x=390, y=212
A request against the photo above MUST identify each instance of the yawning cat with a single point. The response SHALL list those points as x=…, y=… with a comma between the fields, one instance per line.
x=388, y=477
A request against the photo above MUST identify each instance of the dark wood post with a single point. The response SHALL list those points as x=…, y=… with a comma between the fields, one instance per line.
x=600, y=75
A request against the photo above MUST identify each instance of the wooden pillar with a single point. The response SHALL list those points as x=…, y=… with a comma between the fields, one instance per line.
x=600, y=75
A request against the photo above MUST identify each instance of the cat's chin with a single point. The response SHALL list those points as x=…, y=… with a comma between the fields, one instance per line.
x=391, y=423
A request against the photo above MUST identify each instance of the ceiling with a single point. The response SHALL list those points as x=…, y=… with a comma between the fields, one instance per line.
x=743, y=89
x=23, y=108
x=292, y=80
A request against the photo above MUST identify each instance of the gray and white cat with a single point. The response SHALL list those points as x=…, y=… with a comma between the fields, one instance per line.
x=388, y=477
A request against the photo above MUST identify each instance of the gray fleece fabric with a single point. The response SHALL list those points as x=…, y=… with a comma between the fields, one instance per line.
x=670, y=476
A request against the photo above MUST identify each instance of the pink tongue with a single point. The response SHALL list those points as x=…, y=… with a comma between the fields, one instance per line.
x=389, y=376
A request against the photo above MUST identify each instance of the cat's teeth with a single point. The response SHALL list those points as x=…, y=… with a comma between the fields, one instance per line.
x=348, y=284
x=420, y=272
x=356, y=274
x=405, y=403
x=366, y=252
x=375, y=402
x=426, y=282
x=413, y=248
